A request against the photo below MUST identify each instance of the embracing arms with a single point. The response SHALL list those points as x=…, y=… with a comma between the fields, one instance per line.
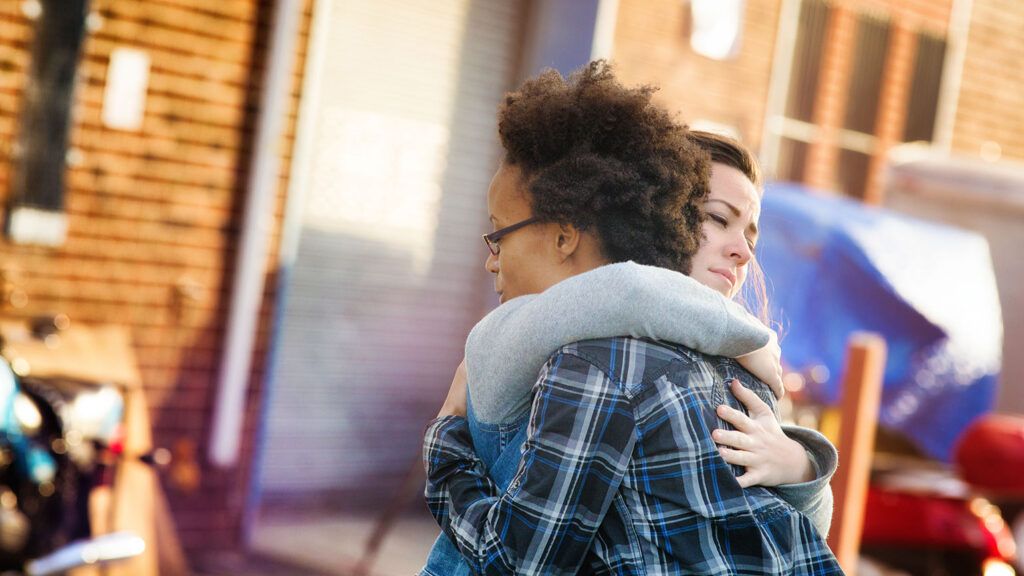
x=580, y=442
x=505, y=349
x=798, y=462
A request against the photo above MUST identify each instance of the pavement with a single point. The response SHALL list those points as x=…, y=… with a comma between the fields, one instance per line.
x=253, y=564
x=332, y=544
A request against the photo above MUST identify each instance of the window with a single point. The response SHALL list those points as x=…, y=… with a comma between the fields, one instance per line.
x=924, y=91
x=853, y=141
x=797, y=129
x=856, y=140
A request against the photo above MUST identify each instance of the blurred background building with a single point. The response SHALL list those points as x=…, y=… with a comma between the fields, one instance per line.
x=299, y=262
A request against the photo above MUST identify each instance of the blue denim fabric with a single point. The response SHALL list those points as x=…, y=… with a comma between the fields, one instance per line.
x=498, y=446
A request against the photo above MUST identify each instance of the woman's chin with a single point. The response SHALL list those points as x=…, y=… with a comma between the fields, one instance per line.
x=716, y=282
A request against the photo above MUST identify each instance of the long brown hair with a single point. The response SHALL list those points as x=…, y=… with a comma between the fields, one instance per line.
x=729, y=151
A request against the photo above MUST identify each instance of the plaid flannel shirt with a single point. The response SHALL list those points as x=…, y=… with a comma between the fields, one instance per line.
x=619, y=475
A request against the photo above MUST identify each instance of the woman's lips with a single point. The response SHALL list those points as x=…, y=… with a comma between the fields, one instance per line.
x=727, y=274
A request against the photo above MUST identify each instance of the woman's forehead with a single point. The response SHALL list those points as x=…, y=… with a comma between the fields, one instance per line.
x=507, y=196
x=732, y=187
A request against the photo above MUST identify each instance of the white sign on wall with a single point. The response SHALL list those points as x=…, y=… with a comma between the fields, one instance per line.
x=124, y=98
x=717, y=27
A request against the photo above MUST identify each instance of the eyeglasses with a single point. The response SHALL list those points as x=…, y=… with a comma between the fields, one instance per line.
x=493, y=238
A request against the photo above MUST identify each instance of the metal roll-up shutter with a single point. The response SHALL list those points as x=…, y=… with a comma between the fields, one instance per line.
x=388, y=272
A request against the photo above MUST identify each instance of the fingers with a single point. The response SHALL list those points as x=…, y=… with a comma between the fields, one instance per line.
x=774, y=380
x=731, y=439
x=778, y=388
x=752, y=401
x=747, y=480
x=775, y=383
x=752, y=476
x=738, y=419
x=733, y=456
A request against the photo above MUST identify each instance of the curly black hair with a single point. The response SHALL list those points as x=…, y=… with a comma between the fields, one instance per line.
x=601, y=156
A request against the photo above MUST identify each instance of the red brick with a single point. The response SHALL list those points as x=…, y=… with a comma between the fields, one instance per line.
x=149, y=209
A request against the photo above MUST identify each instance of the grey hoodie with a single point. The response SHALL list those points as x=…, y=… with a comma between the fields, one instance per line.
x=506, y=350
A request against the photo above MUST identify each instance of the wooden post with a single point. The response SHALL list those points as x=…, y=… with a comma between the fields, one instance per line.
x=862, y=391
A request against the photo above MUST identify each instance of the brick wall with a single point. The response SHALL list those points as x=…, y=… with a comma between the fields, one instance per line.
x=913, y=13
x=905, y=19
x=992, y=91
x=154, y=215
x=651, y=45
x=830, y=100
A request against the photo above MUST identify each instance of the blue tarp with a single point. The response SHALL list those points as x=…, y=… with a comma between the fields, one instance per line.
x=835, y=267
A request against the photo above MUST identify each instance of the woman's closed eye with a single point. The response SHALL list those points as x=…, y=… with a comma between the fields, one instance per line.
x=723, y=222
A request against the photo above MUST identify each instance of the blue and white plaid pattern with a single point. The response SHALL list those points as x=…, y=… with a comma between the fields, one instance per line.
x=619, y=475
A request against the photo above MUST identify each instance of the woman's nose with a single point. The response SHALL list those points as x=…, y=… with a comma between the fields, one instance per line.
x=741, y=251
x=491, y=264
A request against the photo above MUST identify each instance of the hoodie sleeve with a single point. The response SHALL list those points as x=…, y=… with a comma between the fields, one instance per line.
x=813, y=498
x=506, y=348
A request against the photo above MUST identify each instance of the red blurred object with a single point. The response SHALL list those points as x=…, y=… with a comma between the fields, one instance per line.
x=990, y=454
x=922, y=520
x=928, y=519
x=116, y=443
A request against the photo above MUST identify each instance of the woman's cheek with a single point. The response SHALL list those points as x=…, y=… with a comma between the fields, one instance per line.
x=741, y=277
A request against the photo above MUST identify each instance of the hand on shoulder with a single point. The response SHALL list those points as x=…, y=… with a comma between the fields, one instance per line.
x=758, y=443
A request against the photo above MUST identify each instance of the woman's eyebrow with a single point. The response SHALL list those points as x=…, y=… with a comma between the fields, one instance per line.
x=734, y=209
x=754, y=231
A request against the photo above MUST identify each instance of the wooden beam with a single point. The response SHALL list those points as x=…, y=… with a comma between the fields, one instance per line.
x=862, y=391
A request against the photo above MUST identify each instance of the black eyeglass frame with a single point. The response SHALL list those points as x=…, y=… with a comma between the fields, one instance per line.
x=493, y=238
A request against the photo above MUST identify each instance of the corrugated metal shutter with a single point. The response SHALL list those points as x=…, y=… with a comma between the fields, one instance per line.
x=389, y=272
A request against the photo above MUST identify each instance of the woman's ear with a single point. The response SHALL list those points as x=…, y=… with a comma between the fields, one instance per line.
x=568, y=240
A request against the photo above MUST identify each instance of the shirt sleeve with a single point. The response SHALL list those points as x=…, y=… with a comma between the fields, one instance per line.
x=579, y=442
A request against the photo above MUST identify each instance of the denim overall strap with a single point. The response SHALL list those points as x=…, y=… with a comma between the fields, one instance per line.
x=507, y=464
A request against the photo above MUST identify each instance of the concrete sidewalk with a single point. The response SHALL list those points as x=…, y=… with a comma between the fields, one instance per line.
x=332, y=544
x=238, y=564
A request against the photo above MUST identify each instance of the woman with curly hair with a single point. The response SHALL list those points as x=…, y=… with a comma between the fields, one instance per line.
x=608, y=463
